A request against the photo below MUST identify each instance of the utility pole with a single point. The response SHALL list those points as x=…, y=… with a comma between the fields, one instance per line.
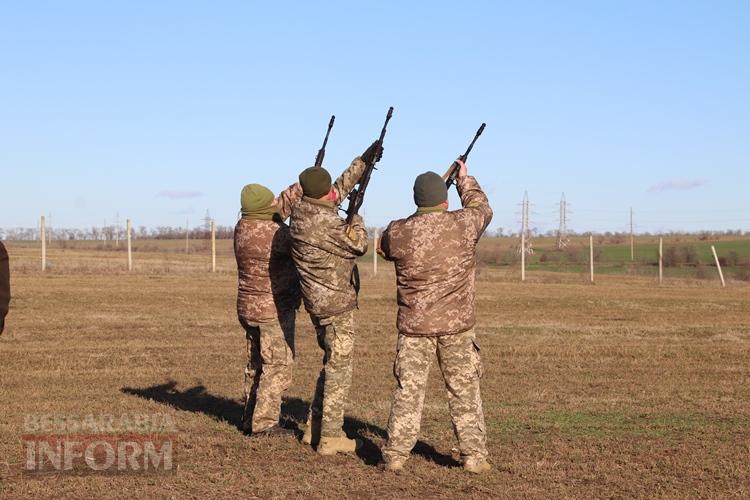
x=525, y=235
x=527, y=248
x=187, y=235
x=207, y=221
x=562, y=231
x=523, y=256
x=632, y=238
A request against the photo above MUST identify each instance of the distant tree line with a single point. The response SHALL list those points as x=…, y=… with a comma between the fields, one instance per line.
x=621, y=236
x=111, y=233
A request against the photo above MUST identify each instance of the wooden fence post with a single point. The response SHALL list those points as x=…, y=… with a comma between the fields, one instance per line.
x=43, y=237
x=718, y=266
x=661, y=260
x=591, y=256
x=213, y=247
x=130, y=249
x=632, y=237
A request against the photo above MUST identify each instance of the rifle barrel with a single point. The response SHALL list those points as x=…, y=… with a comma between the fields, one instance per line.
x=322, y=150
x=328, y=132
x=356, y=197
x=387, y=119
x=479, y=132
x=454, y=168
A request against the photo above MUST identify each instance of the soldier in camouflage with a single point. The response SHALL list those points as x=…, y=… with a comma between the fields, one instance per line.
x=434, y=254
x=267, y=298
x=324, y=249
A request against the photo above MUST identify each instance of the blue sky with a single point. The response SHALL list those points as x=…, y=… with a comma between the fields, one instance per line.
x=161, y=110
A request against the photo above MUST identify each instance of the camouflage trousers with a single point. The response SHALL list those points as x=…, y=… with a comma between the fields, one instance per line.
x=461, y=366
x=336, y=338
x=270, y=353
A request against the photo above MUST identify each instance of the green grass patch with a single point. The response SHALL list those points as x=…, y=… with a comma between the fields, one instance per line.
x=614, y=424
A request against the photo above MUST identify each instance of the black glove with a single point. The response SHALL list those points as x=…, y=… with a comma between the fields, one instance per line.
x=369, y=155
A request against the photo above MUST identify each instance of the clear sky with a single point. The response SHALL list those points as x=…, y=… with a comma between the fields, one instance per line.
x=161, y=110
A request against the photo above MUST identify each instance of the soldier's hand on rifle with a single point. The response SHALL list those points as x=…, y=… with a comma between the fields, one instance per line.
x=357, y=225
x=462, y=171
x=369, y=155
x=358, y=221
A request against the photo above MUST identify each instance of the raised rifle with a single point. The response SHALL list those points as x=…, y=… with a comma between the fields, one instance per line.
x=322, y=151
x=357, y=196
x=452, y=174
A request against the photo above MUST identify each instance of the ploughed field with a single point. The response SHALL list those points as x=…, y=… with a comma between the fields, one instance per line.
x=620, y=388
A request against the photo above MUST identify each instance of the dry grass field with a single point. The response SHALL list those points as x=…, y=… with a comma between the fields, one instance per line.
x=616, y=389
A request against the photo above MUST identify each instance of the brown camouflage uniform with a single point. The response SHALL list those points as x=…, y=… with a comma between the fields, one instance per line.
x=434, y=254
x=267, y=298
x=270, y=355
x=325, y=252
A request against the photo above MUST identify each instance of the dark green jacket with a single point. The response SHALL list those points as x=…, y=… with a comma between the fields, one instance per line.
x=4, y=285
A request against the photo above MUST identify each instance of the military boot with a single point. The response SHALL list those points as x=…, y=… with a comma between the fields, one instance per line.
x=476, y=465
x=274, y=431
x=246, y=426
x=311, y=435
x=392, y=464
x=333, y=445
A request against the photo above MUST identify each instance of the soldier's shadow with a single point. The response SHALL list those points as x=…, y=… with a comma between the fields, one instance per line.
x=197, y=399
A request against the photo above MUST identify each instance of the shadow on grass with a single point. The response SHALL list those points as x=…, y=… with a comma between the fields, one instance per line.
x=197, y=399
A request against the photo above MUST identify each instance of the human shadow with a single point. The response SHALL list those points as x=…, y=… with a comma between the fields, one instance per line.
x=293, y=410
x=196, y=399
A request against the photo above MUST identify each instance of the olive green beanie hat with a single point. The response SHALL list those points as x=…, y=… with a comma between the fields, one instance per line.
x=315, y=182
x=256, y=200
x=429, y=190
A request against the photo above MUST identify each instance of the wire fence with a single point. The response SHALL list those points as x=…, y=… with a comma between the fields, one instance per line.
x=626, y=251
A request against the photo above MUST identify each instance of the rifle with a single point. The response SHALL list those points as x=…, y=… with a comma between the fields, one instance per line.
x=322, y=151
x=357, y=196
x=452, y=174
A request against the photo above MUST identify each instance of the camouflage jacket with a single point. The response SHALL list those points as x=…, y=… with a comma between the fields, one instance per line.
x=268, y=281
x=435, y=257
x=325, y=252
x=4, y=285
